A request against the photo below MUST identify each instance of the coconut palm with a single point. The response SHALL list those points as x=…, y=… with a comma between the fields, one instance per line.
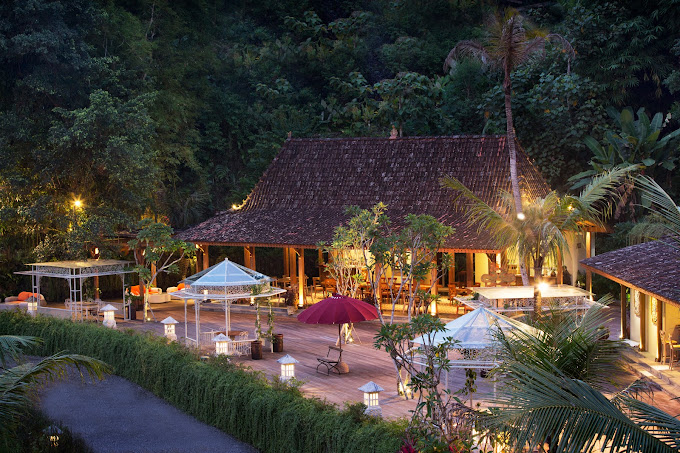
x=509, y=44
x=18, y=382
x=568, y=344
x=538, y=406
x=541, y=232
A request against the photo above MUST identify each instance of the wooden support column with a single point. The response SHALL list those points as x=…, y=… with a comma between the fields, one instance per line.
x=301, y=276
x=469, y=270
x=153, y=271
x=249, y=257
x=286, y=271
x=624, y=314
x=659, y=328
x=434, y=288
x=246, y=257
x=292, y=265
x=589, y=253
x=206, y=256
x=452, y=270
x=643, y=322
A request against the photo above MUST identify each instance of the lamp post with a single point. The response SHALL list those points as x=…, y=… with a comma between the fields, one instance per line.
x=169, y=327
x=222, y=343
x=538, y=290
x=371, y=400
x=287, y=367
x=109, y=320
x=32, y=305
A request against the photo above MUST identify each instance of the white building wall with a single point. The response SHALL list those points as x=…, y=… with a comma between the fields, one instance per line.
x=481, y=266
x=634, y=318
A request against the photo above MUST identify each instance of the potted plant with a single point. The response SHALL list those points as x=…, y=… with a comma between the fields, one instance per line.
x=289, y=299
x=256, y=345
x=276, y=339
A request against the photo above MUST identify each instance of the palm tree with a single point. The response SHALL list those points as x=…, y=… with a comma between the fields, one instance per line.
x=18, y=382
x=664, y=222
x=539, y=406
x=509, y=44
x=568, y=344
x=551, y=391
x=541, y=232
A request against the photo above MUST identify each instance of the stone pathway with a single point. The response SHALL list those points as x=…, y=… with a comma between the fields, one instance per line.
x=115, y=415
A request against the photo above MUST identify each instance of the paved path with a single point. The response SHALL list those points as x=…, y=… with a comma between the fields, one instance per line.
x=118, y=416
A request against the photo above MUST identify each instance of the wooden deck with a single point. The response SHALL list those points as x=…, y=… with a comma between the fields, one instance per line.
x=305, y=343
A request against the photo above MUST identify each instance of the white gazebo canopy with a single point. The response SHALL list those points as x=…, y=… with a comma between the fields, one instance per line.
x=75, y=271
x=225, y=281
x=521, y=298
x=475, y=330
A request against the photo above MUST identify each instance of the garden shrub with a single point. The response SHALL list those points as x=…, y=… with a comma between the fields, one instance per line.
x=239, y=402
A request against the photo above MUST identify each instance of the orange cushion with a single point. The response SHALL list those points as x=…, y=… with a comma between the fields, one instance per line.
x=180, y=286
x=134, y=290
x=24, y=295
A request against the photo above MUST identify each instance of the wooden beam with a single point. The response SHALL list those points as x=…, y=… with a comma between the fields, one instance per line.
x=301, y=277
x=624, y=314
x=469, y=271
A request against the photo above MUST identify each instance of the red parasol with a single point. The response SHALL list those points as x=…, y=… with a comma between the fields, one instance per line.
x=339, y=310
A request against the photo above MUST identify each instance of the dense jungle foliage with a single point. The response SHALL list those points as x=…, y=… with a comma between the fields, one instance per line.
x=173, y=109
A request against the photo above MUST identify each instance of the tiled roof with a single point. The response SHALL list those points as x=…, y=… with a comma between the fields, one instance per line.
x=301, y=197
x=652, y=267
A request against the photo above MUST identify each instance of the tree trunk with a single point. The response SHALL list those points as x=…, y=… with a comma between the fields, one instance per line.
x=514, y=180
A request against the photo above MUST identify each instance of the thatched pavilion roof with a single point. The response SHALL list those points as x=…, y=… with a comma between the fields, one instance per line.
x=302, y=196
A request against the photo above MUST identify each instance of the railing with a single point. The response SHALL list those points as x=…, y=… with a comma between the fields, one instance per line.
x=61, y=313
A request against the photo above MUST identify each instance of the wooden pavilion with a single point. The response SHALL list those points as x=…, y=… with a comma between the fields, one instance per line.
x=302, y=196
x=649, y=275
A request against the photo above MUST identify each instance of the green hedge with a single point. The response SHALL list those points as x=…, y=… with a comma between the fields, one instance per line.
x=240, y=403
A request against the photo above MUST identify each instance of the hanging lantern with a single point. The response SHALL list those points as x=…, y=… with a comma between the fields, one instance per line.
x=371, y=400
x=287, y=367
x=222, y=344
x=109, y=320
x=169, y=326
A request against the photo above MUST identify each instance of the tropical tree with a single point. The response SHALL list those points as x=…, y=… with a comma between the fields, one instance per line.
x=156, y=251
x=566, y=343
x=542, y=231
x=664, y=222
x=540, y=406
x=510, y=43
x=18, y=382
x=551, y=391
x=636, y=142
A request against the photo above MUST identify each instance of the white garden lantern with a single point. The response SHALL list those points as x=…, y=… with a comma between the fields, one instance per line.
x=109, y=320
x=222, y=344
x=169, y=327
x=32, y=305
x=371, y=400
x=287, y=367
